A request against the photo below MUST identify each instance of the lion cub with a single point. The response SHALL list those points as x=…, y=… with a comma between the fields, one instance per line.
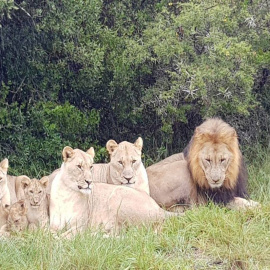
x=16, y=218
x=36, y=201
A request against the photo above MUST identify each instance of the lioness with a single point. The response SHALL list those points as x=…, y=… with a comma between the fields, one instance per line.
x=10, y=186
x=4, y=190
x=16, y=219
x=125, y=166
x=36, y=201
x=77, y=203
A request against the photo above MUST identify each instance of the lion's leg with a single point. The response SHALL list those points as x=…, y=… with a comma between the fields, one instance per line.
x=240, y=203
x=32, y=227
x=178, y=208
x=4, y=232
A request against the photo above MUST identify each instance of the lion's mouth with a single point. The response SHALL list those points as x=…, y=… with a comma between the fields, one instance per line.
x=128, y=184
x=216, y=184
x=35, y=205
x=85, y=190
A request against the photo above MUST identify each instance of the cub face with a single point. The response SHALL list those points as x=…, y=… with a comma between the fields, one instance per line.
x=35, y=190
x=17, y=220
x=125, y=161
x=78, y=169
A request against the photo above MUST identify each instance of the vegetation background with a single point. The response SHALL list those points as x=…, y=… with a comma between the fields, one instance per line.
x=80, y=72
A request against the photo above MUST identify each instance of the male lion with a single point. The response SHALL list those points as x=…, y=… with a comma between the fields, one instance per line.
x=36, y=201
x=77, y=203
x=16, y=219
x=211, y=168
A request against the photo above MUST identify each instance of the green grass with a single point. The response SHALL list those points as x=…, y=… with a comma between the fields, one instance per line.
x=205, y=238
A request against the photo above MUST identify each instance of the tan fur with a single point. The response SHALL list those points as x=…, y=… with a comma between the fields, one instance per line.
x=114, y=172
x=16, y=219
x=36, y=201
x=171, y=185
x=70, y=190
x=99, y=204
x=125, y=166
x=4, y=190
x=213, y=167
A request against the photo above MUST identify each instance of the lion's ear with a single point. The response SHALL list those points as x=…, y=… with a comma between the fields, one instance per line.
x=6, y=208
x=91, y=152
x=44, y=181
x=4, y=165
x=68, y=152
x=111, y=145
x=25, y=182
x=22, y=206
x=139, y=143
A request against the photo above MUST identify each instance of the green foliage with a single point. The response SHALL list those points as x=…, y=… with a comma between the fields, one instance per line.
x=124, y=69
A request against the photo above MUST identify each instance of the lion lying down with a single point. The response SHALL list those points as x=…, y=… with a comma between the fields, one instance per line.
x=77, y=203
x=211, y=168
x=16, y=219
x=125, y=167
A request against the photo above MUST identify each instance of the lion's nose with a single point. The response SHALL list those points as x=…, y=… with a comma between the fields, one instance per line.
x=128, y=178
x=88, y=182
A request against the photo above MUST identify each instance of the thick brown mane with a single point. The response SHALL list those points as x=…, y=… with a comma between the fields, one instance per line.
x=215, y=132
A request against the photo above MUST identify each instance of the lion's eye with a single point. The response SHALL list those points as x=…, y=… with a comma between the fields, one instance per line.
x=91, y=167
x=31, y=191
x=134, y=161
x=208, y=160
x=40, y=191
x=79, y=166
x=222, y=160
x=120, y=162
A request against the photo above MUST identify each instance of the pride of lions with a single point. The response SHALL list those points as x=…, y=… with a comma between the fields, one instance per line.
x=121, y=193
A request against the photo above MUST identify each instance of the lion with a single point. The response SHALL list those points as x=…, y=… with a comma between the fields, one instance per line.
x=16, y=219
x=36, y=201
x=10, y=186
x=77, y=202
x=4, y=190
x=211, y=168
x=125, y=167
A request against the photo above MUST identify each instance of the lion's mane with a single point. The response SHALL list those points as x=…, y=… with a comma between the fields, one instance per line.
x=215, y=131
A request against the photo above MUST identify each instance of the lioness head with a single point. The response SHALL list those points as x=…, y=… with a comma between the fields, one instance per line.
x=214, y=157
x=77, y=169
x=35, y=190
x=17, y=220
x=125, y=161
x=3, y=171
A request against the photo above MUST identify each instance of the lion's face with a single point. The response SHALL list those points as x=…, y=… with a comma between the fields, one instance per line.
x=125, y=161
x=214, y=157
x=17, y=220
x=35, y=190
x=78, y=166
x=214, y=160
